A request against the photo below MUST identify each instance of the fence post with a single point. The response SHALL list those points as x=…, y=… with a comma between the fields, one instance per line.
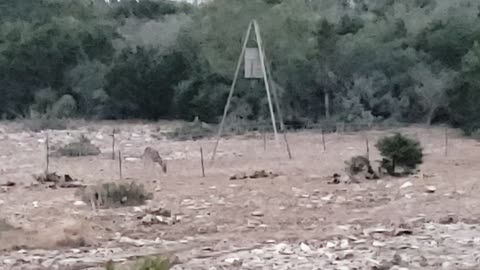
x=323, y=141
x=446, y=141
x=120, y=164
x=288, y=145
x=201, y=160
x=264, y=140
x=113, y=144
x=47, y=156
x=368, y=147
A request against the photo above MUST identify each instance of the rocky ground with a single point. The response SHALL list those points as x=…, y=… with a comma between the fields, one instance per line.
x=290, y=219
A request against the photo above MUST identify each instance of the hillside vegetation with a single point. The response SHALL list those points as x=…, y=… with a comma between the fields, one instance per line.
x=376, y=60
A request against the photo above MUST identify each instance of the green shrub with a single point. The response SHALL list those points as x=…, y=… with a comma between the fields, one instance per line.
x=400, y=151
x=80, y=148
x=64, y=107
x=357, y=165
x=154, y=264
x=44, y=100
x=149, y=263
x=113, y=195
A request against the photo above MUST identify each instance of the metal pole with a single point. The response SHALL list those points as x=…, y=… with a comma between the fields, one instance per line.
x=232, y=88
x=265, y=79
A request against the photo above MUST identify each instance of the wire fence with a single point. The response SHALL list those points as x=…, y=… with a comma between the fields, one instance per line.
x=202, y=130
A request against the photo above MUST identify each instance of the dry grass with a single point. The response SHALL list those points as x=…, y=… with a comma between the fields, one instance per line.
x=5, y=226
x=287, y=212
x=44, y=123
x=113, y=195
x=147, y=263
x=80, y=148
x=61, y=233
x=192, y=131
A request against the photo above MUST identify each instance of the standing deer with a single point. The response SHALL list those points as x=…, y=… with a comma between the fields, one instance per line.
x=150, y=157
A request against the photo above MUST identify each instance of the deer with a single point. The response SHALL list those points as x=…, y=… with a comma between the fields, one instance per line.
x=151, y=157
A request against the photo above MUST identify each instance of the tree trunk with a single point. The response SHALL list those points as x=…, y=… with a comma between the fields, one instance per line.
x=327, y=105
x=393, y=166
x=430, y=115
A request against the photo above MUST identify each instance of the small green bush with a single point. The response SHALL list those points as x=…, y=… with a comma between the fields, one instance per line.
x=358, y=164
x=400, y=151
x=154, y=264
x=80, y=148
x=149, y=263
x=113, y=195
x=64, y=107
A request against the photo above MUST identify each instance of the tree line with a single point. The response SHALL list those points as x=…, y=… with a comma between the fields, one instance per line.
x=414, y=61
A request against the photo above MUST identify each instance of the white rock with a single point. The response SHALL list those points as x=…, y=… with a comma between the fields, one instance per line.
x=136, y=242
x=2, y=202
x=378, y=244
x=344, y=244
x=148, y=219
x=430, y=189
x=345, y=179
x=286, y=251
x=258, y=252
x=344, y=227
x=79, y=203
x=233, y=260
x=446, y=265
x=35, y=204
x=406, y=185
x=305, y=248
x=331, y=245
x=327, y=198
x=257, y=214
x=9, y=261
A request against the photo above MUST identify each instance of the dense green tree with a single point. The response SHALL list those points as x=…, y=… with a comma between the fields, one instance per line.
x=141, y=83
x=352, y=61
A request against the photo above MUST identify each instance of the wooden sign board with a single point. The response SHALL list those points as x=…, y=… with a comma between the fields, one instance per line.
x=253, y=67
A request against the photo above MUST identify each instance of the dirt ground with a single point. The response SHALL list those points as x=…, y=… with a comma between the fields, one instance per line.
x=222, y=217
